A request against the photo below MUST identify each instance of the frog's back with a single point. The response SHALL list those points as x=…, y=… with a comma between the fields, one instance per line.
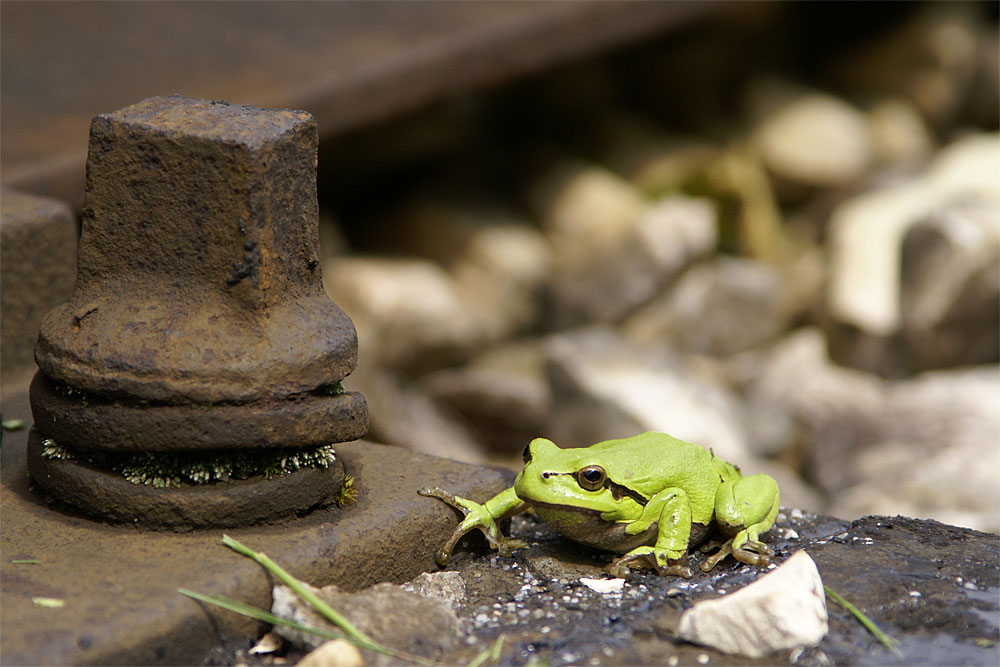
x=654, y=461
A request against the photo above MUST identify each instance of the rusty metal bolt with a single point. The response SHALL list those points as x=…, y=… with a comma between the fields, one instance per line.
x=199, y=320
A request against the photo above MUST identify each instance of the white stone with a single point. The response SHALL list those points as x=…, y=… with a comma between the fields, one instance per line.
x=603, y=586
x=783, y=609
x=334, y=653
x=866, y=231
x=816, y=139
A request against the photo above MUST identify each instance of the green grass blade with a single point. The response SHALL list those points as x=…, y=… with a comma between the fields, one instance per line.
x=491, y=653
x=869, y=624
x=314, y=601
x=238, y=607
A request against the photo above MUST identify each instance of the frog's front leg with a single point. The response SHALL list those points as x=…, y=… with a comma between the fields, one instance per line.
x=670, y=509
x=745, y=508
x=483, y=517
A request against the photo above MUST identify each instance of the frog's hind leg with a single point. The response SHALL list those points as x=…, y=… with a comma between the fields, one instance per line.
x=745, y=508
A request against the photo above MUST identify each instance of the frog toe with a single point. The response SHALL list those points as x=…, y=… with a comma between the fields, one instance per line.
x=724, y=550
x=660, y=561
x=754, y=553
x=505, y=546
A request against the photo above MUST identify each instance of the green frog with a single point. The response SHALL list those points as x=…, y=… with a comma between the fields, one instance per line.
x=649, y=497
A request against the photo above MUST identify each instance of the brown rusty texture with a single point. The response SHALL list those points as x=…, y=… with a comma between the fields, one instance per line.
x=37, y=269
x=199, y=319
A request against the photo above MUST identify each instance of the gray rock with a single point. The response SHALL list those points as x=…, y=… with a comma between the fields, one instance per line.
x=403, y=309
x=502, y=394
x=720, y=307
x=612, y=250
x=931, y=452
x=932, y=59
x=899, y=134
x=782, y=610
x=865, y=289
x=447, y=586
x=605, y=387
x=883, y=446
x=498, y=260
x=389, y=615
x=950, y=300
x=402, y=413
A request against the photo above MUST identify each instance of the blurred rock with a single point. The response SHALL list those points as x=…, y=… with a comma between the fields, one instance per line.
x=934, y=452
x=405, y=310
x=865, y=288
x=982, y=107
x=794, y=395
x=401, y=413
x=720, y=307
x=612, y=250
x=931, y=59
x=605, y=387
x=899, y=134
x=447, y=585
x=784, y=609
x=950, y=300
x=502, y=394
x=920, y=447
x=389, y=615
x=498, y=261
x=810, y=138
x=333, y=653
x=656, y=162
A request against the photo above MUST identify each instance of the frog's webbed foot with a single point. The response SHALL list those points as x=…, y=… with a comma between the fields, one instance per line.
x=751, y=552
x=476, y=517
x=651, y=558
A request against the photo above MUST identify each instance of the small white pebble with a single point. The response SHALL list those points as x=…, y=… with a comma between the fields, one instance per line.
x=796, y=513
x=703, y=658
x=914, y=594
x=791, y=535
x=673, y=661
x=969, y=586
x=605, y=585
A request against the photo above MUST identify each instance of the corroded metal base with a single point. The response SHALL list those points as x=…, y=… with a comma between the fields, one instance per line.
x=106, y=425
x=109, y=496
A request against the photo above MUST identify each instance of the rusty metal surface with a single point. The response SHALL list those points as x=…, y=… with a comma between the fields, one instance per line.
x=199, y=321
x=120, y=584
x=37, y=271
x=349, y=63
x=102, y=425
x=199, y=277
x=111, y=497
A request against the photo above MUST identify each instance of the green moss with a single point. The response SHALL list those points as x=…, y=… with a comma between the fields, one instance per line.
x=347, y=494
x=174, y=469
x=335, y=389
x=72, y=393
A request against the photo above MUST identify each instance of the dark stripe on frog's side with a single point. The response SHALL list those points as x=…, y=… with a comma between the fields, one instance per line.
x=618, y=491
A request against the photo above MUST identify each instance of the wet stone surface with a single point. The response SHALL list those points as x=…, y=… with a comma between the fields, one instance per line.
x=931, y=586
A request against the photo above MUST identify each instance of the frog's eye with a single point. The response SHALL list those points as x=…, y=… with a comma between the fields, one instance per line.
x=526, y=454
x=591, y=478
